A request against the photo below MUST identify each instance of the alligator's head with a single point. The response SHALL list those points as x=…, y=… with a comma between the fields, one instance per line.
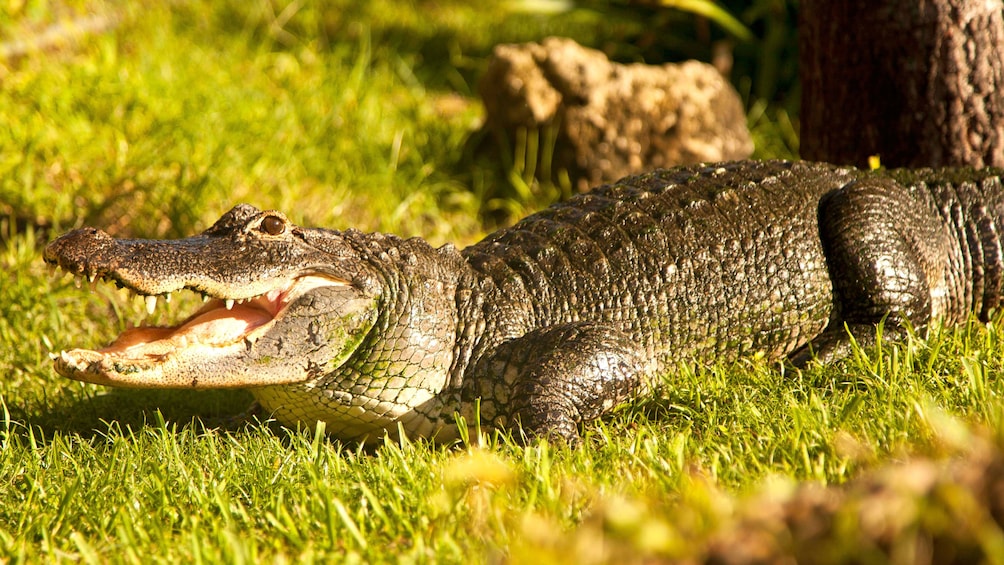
x=285, y=303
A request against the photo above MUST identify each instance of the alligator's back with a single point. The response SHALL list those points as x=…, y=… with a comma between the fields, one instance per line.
x=698, y=262
x=598, y=294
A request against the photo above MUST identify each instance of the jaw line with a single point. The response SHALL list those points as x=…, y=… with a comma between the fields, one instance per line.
x=162, y=357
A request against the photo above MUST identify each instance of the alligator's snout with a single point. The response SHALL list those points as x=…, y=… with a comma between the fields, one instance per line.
x=261, y=289
x=79, y=251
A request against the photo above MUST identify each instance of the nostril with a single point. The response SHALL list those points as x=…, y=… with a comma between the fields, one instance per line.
x=95, y=233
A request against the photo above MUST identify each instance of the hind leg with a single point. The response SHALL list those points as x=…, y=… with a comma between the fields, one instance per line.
x=887, y=252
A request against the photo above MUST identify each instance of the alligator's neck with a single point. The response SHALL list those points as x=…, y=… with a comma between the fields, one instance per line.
x=401, y=367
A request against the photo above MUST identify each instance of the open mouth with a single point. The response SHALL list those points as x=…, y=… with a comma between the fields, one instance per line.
x=222, y=327
x=219, y=323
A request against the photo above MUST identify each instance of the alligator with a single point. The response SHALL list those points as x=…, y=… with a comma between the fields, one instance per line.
x=555, y=321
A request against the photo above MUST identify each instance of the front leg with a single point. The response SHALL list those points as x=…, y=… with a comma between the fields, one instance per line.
x=550, y=380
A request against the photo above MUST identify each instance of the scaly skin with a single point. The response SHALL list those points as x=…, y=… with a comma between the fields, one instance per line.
x=553, y=322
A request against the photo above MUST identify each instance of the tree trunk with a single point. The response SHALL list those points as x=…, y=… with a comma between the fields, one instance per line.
x=915, y=82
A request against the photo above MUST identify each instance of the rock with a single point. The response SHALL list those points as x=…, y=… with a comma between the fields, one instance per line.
x=612, y=120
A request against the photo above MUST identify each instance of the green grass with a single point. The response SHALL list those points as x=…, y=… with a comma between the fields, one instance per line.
x=357, y=114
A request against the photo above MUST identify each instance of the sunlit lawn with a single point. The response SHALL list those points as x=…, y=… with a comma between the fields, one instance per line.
x=358, y=114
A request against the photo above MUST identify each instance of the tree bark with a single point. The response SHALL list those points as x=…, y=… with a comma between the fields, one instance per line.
x=915, y=82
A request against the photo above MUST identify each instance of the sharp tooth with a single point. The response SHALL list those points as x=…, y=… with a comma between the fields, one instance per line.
x=77, y=281
x=167, y=297
x=205, y=297
x=229, y=302
x=151, y=304
x=91, y=277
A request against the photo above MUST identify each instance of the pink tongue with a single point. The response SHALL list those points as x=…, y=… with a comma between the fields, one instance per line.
x=223, y=326
x=217, y=326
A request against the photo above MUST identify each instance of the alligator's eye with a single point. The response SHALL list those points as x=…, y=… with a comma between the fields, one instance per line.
x=273, y=225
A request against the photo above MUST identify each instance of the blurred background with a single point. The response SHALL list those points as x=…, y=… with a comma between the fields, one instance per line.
x=152, y=118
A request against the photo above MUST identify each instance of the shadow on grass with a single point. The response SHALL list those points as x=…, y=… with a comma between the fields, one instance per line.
x=134, y=409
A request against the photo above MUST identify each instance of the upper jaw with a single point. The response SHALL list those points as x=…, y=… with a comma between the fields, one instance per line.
x=158, y=268
x=232, y=267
